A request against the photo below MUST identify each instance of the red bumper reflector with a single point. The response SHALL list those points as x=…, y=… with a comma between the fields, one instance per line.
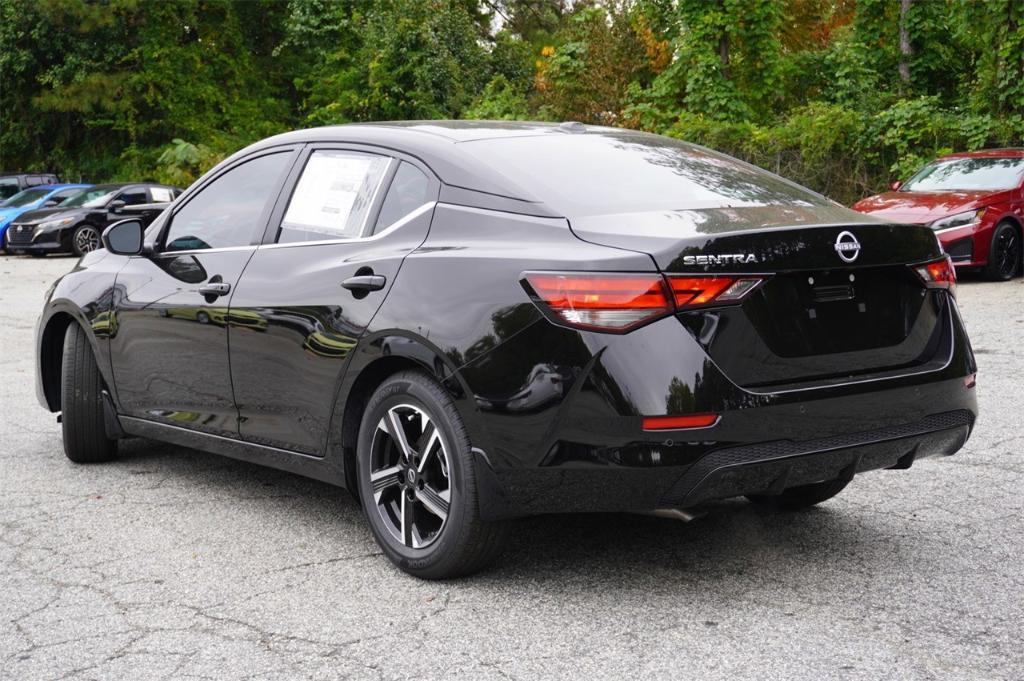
x=679, y=422
x=970, y=380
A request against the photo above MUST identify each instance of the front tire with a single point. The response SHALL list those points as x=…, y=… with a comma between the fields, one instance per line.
x=417, y=481
x=85, y=239
x=1004, y=254
x=799, y=498
x=85, y=434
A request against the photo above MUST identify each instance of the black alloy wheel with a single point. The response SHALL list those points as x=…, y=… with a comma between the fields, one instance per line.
x=411, y=476
x=1005, y=253
x=85, y=239
x=417, y=481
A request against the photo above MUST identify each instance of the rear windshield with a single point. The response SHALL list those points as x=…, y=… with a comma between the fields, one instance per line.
x=626, y=172
x=966, y=174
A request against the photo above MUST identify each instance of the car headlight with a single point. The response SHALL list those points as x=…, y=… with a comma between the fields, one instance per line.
x=56, y=223
x=958, y=220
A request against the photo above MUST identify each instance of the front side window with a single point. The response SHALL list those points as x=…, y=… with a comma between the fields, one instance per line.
x=965, y=174
x=227, y=212
x=333, y=196
x=408, y=191
x=134, y=197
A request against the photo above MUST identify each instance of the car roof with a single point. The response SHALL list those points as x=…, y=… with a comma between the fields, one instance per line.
x=1011, y=152
x=54, y=187
x=437, y=143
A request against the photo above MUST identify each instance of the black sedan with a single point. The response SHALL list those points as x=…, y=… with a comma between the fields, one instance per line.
x=76, y=225
x=464, y=323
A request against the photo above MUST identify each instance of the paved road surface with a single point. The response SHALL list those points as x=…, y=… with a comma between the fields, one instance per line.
x=172, y=563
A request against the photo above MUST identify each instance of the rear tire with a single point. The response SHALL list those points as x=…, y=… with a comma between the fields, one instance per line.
x=804, y=496
x=1004, y=253
x=85, y=434
x=424, y=512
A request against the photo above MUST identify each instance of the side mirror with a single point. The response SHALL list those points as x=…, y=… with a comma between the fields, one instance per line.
x=895, y=186
x=116, y=206
x=50, y=203
x=124, y=237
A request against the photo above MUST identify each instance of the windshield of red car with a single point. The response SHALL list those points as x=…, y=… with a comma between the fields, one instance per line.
x=967, y=174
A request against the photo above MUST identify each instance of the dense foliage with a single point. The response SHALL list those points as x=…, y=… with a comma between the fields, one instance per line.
x=842, y=95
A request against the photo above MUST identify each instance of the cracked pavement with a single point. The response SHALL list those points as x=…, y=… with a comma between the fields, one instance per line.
x=172, y=563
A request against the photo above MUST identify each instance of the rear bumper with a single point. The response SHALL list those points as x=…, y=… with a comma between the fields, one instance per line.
x=759, y=468
x=588, y=450
x=771, y=467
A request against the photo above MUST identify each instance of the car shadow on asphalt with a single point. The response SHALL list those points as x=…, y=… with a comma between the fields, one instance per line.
x=727, y=539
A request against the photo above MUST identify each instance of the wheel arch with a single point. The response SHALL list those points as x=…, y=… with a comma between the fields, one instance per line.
x=51, y=354
x=382, y=357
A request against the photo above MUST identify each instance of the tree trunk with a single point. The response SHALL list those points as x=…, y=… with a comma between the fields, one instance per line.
x=723, y=55
x=905, y=49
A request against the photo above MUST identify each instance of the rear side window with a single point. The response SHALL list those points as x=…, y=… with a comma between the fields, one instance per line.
x=161, y=194
x=409, y=190
x=333, y=196
x=227, y=212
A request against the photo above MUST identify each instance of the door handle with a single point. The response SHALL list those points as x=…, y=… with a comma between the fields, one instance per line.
x=365, y=282
x=215, y=289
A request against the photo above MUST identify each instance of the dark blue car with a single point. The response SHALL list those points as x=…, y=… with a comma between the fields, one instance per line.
x=42, y=196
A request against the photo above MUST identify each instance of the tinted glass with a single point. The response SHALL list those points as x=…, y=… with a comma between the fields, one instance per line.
x=622, y=172
x=133, y=197
x=333, y=196
x=227, y=212
x=967, y=174
x=409, y=190
x=26, y=197
x=8, y=187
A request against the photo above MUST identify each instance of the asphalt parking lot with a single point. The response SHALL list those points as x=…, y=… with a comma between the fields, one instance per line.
x=171, y=563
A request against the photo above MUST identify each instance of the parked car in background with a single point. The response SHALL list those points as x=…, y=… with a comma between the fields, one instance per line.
x=43, y=196
x=76, y=224
x=12, y=183
x=975, y=203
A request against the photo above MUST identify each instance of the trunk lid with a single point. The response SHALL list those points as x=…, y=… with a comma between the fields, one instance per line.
x=839, y=301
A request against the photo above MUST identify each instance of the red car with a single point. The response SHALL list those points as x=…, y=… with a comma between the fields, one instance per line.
x=975, y=203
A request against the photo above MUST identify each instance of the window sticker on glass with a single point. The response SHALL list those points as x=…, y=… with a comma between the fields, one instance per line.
x=160, y=194
x=333, y=195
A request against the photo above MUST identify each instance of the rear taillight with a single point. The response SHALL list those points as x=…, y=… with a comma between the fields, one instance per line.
x=603, y=301
x=938, y=274
x=607, y=302
x=694, y=291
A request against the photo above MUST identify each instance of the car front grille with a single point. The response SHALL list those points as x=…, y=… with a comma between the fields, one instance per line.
x=20, y=235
